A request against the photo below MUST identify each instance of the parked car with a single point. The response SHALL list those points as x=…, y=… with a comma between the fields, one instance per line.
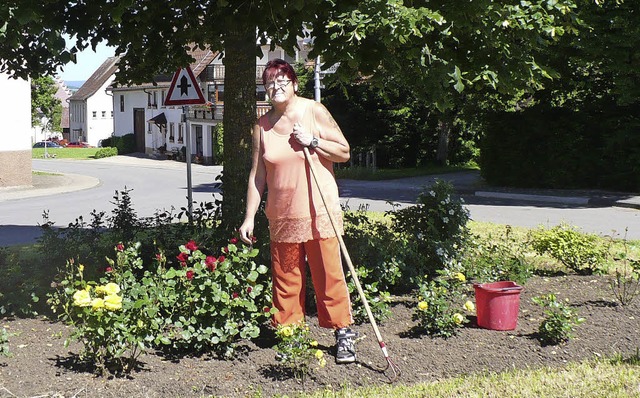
x=78, y=145
x=49, y=144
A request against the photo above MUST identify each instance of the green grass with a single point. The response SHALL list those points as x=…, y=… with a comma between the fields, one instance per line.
x=603, y=378
x=65, y=153
x=363, y=173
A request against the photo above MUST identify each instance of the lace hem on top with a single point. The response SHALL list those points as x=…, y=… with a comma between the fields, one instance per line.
x=299, y=230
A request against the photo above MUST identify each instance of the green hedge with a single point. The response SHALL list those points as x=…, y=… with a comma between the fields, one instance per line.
x=559, y=148
x=106, y=152
x=125, y=144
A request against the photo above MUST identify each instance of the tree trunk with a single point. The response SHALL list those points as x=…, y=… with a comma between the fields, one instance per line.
x=444, y=134
x=239, y=117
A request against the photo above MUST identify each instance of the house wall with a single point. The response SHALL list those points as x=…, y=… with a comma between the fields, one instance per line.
x=15, y=133
x=77, y=120
x=99, y=115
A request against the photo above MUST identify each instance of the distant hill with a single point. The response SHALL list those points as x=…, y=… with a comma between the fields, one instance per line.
x=74, y=85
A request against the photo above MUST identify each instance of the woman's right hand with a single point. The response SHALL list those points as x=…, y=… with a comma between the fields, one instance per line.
x=246, y=231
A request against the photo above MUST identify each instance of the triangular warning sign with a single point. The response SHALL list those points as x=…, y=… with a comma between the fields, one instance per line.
x=184, y=89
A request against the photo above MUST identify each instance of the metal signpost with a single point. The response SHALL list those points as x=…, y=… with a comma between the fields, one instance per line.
x=189, y=93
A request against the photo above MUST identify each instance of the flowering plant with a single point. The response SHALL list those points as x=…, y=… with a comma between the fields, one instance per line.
x=296, y=351
x=439, y=311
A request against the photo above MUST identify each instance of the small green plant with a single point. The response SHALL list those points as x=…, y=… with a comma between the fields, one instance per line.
x=441, y=304
x=560, y=320
x=296, y=351
x=496, y=258
x=378, y=300
x=4, y=342
x=625, y=283
x=579, y=252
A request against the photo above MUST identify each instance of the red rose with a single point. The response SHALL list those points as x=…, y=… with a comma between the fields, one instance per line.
x=225, y=249
x=234, y=295
x=210, y=262
x=108, y=269
x=254, y=239
x=189, y=275
x=233, y=240
x=191, y=245
x=221, y=259
x=182, y=257
x=159, y=257
x=266, y=309
x=120, y=247
x=249, y=290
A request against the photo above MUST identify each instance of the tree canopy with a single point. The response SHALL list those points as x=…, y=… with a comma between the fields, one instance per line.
x=45, y=104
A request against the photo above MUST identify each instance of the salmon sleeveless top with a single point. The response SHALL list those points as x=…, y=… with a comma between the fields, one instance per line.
x=294, y=207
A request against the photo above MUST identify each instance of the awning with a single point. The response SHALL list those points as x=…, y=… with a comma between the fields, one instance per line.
x=159, y=120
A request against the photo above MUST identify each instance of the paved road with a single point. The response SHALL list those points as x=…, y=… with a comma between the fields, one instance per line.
x=88, y=185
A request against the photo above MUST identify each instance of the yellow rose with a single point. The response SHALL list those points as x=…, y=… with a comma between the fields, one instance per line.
x=314, y=343
x=422, y=306
x=97, y=303
x=286, y=331
x=109, y=289
x=469, y=306
x=113, y=302
x=319, y=354
x=458, y=318
x=81, y=268
x=81, y=298
x=459, y=276
x=322, y=362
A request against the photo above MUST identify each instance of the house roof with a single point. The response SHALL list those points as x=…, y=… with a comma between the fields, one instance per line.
x=97, y=79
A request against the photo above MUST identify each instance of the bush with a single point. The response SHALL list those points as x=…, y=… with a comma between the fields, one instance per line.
x=204, y=303
x=106, y=152
x=496, y=258
x=559, y=322
x=579, y=252
x=436, y=228
x=296, y=351
x=441, y=304
x=125, y=143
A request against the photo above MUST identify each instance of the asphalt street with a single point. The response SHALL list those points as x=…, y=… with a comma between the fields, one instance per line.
x=73, y=188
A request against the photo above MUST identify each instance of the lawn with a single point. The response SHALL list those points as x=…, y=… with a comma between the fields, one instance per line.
x=64, y=153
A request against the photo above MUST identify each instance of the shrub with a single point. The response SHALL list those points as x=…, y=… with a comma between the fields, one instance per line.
x=625, y=283
x=296, y=351
x=496, y=258
x=577, y=251
x=378, y=300
x=436, y=226
x=559, y=321
x=441, y=304
x=205, y=303
x=106, y=152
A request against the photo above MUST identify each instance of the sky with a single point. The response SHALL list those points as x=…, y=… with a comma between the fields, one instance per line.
x=88, y=62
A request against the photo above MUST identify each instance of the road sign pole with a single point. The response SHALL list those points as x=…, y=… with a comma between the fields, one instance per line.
x=185, y=112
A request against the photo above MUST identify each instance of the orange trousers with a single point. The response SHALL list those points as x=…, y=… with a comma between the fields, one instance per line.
x=289, y=276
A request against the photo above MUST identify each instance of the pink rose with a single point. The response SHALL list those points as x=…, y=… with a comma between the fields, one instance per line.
x=108, y=269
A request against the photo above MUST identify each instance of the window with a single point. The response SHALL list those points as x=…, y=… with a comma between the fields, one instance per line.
x=172, y=129
x=104, y=114
x=122, y=103
x=94, y=114
x=180, y=133
x=164, y=97
x=152, y=100
x=111, y=114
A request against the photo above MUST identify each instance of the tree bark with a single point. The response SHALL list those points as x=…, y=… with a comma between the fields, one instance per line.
x=239, y=117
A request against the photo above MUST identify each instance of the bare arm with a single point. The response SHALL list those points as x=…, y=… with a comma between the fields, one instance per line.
x=255, y=187
x=331, y=143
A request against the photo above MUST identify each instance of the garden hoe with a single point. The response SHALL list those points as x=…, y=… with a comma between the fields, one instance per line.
x=390, y=364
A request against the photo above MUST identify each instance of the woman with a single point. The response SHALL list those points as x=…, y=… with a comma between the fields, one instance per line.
x=299, y=226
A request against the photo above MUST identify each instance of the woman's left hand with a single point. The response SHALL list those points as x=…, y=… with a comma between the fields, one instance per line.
x=302, y=135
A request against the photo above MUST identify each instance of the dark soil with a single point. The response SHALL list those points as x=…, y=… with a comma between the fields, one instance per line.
x=41, y=365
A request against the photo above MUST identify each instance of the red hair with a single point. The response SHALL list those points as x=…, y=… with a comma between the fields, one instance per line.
x=277, y=67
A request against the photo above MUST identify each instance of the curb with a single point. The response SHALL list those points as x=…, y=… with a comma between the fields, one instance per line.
x=570, y=200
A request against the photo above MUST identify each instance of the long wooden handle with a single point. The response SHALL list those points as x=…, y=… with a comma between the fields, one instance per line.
x=343, y=248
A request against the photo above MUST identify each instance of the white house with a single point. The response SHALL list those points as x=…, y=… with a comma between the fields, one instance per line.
x=140, y=109
x=15, y=134
x=91, y=107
